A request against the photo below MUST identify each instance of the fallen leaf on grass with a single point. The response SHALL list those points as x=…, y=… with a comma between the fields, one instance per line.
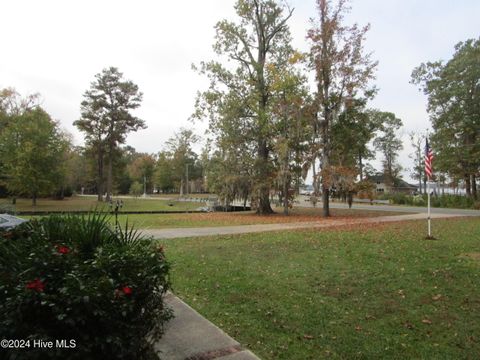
x=408, y=325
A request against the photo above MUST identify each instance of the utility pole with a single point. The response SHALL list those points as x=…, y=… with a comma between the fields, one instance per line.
x=144, y=186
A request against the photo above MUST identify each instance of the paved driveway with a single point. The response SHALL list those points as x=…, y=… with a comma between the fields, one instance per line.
x=244, y=229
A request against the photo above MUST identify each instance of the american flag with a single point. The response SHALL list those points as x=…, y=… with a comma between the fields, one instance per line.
x=428, y=160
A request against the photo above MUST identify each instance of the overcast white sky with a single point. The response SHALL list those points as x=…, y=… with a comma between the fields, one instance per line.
x=55, y=47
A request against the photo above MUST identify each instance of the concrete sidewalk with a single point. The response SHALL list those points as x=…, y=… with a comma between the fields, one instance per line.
x=189, y=336
x=244, y=229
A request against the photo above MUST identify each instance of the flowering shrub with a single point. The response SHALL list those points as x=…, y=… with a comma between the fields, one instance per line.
x=74, y=278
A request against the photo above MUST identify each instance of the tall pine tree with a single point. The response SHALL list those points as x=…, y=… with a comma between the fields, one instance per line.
x=106, y=119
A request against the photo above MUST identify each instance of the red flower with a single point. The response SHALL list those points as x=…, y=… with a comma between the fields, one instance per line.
x=36, y=285
x=62, y=249
x=127, y=290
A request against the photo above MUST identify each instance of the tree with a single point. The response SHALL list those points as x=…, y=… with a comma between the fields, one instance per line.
x=229, y=175
x=343, y=182
x=33, y=149
x=12, y=105
x=106, y=119
x=178, y=159
x=417, y=141
x=79, y=174
x=64, y=176
x=164, y=177
x=122, y=179
x=136, y=189
x=341, y=71
x=453, y=90
x=389, y=144
x=142, y=169
x=238, y=103
x=290, y=110
x=352, y=132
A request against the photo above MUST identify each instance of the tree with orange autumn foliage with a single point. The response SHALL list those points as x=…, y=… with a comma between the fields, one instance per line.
x=342, y=71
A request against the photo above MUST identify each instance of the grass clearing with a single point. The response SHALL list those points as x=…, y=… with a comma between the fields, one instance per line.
x=85, y=203
x=376, y=291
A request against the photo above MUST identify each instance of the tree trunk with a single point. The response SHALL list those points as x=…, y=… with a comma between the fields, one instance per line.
x=474, y=186
x=467, y=185
x=325, y=199
x=325, y=165
x=285, y=195
x=360, y=165
x=297, y=186
x=324, y=89
x=109, y=177
x=100, y=176
x=264, y=206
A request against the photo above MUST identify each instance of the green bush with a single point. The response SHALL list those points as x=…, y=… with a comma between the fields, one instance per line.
x=441, y=201
x=418, y=200
x=452, y=201
x=74, y=278
x=401, y=199
x=136, y=189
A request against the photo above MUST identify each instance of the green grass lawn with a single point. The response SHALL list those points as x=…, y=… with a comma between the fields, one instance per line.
x=365, y=293
x=80, y=203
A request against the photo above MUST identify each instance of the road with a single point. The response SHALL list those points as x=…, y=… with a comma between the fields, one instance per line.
x=394, y=208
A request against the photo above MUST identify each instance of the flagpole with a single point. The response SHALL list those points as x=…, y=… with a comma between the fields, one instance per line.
x=429, y=218
x=428, y=174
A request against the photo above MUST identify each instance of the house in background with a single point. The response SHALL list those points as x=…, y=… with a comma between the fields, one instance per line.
x=398, y=186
